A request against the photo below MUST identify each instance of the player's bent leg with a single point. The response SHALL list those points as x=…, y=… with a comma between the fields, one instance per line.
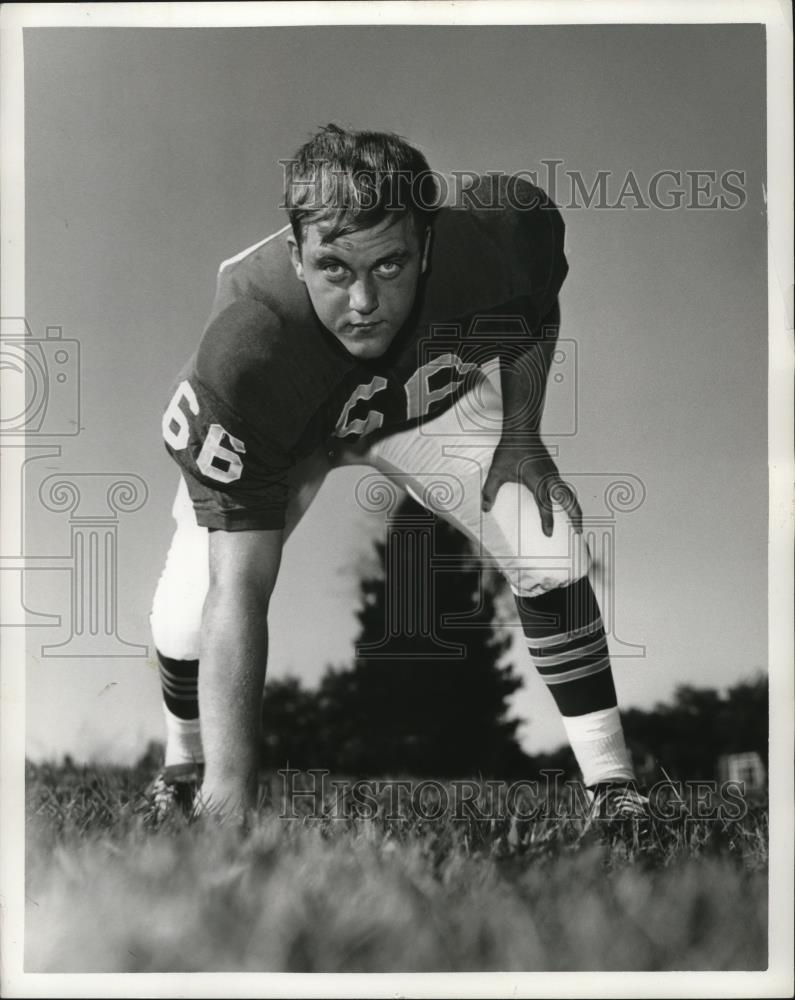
x=548, y=574
x=176, y=625
x=563, y=627
x=179, y=597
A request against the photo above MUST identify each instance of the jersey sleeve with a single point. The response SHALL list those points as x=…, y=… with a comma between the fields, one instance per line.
x=533, y=250
x=541, y=253
x=221, y=429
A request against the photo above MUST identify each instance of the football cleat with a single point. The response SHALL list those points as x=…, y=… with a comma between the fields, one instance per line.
x=174, y=789
x=617, y=801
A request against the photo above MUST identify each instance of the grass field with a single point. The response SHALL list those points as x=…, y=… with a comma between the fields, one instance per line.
x=110, y=890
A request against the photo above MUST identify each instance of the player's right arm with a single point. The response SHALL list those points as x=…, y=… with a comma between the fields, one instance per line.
x=234, y=645
x=229, y=428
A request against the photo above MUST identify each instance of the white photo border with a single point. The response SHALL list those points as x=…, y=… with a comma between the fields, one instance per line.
x=778, y=979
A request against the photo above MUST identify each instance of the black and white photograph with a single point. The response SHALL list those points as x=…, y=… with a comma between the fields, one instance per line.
x=397, y=499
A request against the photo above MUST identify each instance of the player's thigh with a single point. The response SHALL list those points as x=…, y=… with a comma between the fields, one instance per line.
x=179, y=596
x=444, y=464
x=441, y=462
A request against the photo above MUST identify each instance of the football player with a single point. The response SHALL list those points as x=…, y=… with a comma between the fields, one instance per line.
x=378, y=327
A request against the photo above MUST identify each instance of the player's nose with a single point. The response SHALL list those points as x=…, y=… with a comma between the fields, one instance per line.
x=362, y=297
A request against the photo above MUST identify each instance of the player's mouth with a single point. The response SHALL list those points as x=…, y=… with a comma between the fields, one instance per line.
x=368, y=340
x=364, y=327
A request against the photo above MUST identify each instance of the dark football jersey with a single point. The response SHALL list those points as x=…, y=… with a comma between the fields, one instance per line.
x=268, y=383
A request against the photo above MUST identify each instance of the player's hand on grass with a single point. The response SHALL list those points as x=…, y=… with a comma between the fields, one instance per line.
x=529, y=463
x=228, y=808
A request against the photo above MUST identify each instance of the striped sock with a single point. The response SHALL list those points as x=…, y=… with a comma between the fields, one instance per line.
x=567, y=643
x=180, y=682
x=568, y=646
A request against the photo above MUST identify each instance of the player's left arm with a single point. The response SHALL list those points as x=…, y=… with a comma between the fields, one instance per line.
x=521, y=455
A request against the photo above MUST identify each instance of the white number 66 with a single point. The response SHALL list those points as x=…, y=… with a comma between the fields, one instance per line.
x=215, y=460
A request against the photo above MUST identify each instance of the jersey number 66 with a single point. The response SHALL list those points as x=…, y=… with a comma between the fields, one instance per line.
x=219, y=457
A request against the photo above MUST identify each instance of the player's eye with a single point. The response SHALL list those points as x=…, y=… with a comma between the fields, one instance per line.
x=334, y=271
x=389, y=268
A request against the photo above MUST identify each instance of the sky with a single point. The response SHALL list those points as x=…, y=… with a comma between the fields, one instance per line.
x=152, y=155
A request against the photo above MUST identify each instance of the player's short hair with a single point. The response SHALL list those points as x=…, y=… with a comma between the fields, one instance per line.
x=352, y=180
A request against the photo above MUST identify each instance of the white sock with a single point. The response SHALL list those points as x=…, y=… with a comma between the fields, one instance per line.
x=183, y=740
x=597, y=740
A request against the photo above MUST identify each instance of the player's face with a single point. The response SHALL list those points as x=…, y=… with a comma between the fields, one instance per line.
x=363, y=284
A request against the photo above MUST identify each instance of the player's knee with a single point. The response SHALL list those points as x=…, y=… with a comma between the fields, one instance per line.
x=178, y=603
x=176, y=638
x=176, y=626
x=532, y=581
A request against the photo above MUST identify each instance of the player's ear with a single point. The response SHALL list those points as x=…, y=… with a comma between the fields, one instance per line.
x=295, y=256
x=426, y=250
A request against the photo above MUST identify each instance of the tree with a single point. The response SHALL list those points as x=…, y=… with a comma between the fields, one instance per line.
x=747, y=718
x=290, y=725
x=687, y=736
x=427, y=693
